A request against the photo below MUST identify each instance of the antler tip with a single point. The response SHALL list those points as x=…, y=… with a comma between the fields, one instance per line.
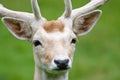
x=68, y=8
x=100, y=0
x=1, y=5
x=36, y=9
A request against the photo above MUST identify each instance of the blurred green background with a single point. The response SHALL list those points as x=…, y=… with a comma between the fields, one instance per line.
x=97, y=55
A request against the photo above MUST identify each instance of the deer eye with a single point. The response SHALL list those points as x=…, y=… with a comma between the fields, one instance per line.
x=37, y=43
x=73, y=41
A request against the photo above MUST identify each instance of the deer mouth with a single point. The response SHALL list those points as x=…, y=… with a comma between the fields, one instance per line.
x=62, y=68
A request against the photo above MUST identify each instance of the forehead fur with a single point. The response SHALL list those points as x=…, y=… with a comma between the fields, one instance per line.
x=53, y=26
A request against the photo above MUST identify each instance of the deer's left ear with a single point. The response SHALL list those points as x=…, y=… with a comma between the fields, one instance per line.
x=19, y=28
x=83, y=24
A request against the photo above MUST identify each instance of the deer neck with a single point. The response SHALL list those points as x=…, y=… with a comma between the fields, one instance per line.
x=42, y=75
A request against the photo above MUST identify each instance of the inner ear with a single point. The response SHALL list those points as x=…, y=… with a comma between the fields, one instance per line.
x=14, y=25
x=83, y=24
x=19, y=28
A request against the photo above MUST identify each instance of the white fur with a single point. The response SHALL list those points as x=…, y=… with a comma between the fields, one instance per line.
x=60, y=46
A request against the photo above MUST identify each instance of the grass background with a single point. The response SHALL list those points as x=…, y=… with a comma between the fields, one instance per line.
x=97, y=55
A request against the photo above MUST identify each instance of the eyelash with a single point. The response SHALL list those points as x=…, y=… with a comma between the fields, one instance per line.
x=73, y=41
x=37, y=43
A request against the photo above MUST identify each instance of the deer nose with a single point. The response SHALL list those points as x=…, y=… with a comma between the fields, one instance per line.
x=62, y=64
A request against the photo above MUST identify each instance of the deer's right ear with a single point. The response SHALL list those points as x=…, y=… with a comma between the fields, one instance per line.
x=19, y=28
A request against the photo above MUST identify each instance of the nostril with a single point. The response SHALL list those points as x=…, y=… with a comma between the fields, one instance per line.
x=62, y=64
x=59, y=62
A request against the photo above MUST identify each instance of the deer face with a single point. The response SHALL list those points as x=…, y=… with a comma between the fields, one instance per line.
x=53, y=41
x=54, y=46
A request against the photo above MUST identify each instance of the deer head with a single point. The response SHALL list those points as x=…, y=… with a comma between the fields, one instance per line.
x=53, y=41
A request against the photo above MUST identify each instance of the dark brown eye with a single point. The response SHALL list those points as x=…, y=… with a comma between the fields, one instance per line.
x=37, y=43
x=73, y=41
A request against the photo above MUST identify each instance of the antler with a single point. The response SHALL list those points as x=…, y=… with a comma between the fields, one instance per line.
x=36, y=9
x=68, y=8
x=22, y=15
x=93, y=4
x=16, y=14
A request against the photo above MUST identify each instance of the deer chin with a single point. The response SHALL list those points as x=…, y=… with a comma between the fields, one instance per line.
x=57, y=71
x=53, y=69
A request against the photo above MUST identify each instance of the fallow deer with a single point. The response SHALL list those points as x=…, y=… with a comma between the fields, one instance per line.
x=53, y=41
